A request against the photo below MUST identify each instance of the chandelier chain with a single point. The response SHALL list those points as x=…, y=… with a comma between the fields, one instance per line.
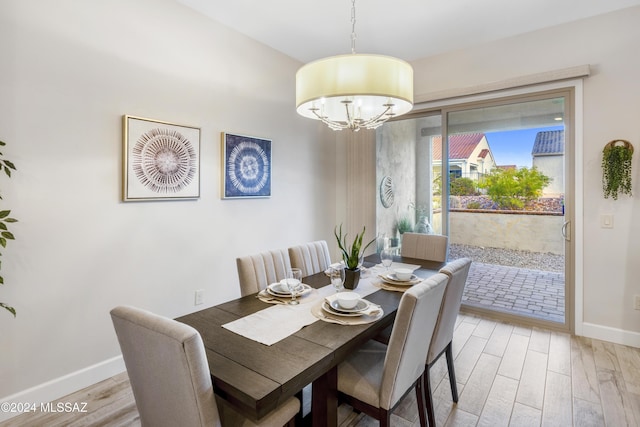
x=353, y=26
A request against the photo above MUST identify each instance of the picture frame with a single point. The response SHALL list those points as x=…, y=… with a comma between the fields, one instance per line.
x=161, y=160
x=246, y=168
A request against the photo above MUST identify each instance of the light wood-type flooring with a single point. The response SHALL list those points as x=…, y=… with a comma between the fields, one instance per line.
x=507, y=375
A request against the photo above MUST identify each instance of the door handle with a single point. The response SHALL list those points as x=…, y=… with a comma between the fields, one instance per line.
x=565, y=228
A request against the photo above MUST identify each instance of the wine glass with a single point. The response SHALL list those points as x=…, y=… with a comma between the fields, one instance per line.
x=294, y=280
x=336, y=274
x=386, y=257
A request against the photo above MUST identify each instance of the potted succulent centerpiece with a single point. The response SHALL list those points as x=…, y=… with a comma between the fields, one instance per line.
x=352, y=255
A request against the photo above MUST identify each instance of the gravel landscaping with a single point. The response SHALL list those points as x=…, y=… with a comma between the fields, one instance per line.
x=508, y=257
x=542, y=204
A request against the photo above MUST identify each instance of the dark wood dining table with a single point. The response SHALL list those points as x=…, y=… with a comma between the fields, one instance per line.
x=256, y=378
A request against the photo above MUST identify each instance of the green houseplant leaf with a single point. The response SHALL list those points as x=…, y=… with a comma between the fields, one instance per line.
x=616, y=169
x=351, y=253
x=8, y=308
x=404, y=225
x=5, y=234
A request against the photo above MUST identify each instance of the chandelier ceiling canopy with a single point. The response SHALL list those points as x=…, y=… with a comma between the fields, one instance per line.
x=354, y=91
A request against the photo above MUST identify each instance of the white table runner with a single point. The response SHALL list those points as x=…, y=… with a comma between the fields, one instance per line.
x=275, y=323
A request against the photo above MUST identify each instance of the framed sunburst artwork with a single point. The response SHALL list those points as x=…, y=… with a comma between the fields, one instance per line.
x=161, y=160
x=247, y=166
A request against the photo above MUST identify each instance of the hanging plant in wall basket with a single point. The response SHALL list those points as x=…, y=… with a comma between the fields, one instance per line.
x=616, y=168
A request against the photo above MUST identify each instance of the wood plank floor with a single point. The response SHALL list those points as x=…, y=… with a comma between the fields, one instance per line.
x=507, y=375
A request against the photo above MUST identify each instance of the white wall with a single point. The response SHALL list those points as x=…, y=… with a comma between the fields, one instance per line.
x=535, y=233
x=553, y=167
x=69, y=71
x=608, y=43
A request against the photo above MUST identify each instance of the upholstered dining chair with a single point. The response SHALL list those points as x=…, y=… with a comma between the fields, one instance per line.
x=256, y=272
x=430, y=247
x=311, y=258
x=457, y=271
x=376, y=377
x=170, y=378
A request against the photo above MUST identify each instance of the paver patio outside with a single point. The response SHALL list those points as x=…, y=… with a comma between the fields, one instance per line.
x=532, y=293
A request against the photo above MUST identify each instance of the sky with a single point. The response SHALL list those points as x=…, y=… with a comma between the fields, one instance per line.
x=514, y=147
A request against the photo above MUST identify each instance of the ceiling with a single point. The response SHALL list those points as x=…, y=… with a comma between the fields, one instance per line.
x=408, y=29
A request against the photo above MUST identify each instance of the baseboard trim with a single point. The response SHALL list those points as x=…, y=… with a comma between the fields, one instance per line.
x=67, y=384
x=606, y=333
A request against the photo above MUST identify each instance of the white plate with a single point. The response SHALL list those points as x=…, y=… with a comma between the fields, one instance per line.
x=391, y=278
x=326, y=307
x=278, y=290
x=361, y=305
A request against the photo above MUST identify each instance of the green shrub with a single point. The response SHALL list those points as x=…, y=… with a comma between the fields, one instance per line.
x=512, y=188
x=473, y=205
x=462, y=187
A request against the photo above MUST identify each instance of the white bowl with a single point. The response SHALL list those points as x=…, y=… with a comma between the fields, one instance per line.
x=348, y=300
x=403, y=274
x=285, y=287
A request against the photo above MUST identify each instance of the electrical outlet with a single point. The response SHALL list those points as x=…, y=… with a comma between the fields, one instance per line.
x=199, y=297
x=636, y=302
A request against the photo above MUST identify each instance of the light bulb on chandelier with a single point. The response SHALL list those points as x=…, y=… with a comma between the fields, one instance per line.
x=354, y=91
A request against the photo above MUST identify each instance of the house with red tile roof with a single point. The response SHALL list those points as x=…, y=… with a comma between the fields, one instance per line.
x=470, y=155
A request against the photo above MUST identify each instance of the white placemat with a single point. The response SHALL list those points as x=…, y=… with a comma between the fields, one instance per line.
x=275, y=323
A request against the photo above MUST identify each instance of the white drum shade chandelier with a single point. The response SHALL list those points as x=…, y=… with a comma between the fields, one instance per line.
x=354, y=91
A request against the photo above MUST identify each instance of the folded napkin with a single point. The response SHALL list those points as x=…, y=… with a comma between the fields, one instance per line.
x=334, y=265
x=363, y=269
x=265, y=296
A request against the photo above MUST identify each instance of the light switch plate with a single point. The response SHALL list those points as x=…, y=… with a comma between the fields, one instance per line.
x=606, y=221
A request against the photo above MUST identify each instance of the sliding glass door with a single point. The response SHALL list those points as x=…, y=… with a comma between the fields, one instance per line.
x=493, y=177
x=410, y=189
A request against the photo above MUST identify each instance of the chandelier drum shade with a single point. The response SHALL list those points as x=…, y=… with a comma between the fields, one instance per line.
x=354, y=90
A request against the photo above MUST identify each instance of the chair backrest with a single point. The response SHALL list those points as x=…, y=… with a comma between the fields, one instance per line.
x=256, y=272
x=407, y=349
x=311, y=258
x=431, y=247
x=168, y=369
x=457, y=271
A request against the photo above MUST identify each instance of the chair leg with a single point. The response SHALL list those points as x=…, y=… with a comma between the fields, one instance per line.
x=299, y=418
x=452, y=373
x=420, y=399
x=428, y=398
x=385, y=418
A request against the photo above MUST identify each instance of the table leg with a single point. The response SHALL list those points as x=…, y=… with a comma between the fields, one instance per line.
x=324, y=400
